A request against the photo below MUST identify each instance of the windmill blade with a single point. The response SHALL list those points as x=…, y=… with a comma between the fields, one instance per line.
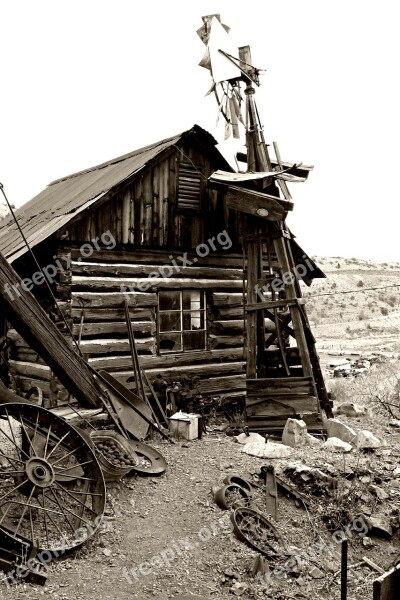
x=222, y=69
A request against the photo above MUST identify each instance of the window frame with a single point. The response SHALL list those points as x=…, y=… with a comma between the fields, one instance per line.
x=182, y=311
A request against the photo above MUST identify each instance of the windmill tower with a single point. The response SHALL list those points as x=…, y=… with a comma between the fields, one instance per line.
x=283, y=374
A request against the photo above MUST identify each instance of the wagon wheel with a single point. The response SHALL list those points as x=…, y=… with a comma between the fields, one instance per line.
x=251, y=527
x=52, y=491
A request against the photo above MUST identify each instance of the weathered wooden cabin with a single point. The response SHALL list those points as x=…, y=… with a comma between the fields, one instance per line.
x=143, y=227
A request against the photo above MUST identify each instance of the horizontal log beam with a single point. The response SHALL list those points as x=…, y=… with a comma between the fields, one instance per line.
x=136, y=270
x=97, y=329
x=112, y=314
x=164, y=361
x=112, y=300
x=143, y=284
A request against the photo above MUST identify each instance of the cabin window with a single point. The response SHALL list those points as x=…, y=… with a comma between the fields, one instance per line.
x=189, y=186
x=181, y=321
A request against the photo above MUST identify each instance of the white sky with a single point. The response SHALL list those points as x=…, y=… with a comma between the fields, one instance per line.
x=85, y=81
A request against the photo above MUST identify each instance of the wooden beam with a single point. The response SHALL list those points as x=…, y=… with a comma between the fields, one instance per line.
x=26, y=315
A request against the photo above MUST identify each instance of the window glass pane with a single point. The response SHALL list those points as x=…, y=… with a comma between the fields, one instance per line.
x=194, y=340
x=192, y=300
x=170, y=342
x=169, y=300
x=193, y=320
x=170, y=321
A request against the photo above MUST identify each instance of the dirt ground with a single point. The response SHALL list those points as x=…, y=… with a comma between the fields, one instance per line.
x=165, y=537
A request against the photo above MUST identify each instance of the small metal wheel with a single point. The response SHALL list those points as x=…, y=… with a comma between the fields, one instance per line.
x=251, y=527
x=237, y=480
x=150, y=462
x=52, y=491
x=230, y=495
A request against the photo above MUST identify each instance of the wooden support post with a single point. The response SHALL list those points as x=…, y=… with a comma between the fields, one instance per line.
x=290, y=290
x=251, y=318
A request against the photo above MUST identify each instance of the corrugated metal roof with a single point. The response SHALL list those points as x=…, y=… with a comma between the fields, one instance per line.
x=64, y=198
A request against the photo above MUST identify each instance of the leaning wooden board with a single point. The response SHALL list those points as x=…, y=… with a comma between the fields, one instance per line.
x=387, y=586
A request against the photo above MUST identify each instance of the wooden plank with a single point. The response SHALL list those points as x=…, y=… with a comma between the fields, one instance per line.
x=112, y=314
x=253, y=268
x=285, y=406
x=236, y=325
x=152, y=256
x=97, y=329
x=115, y=299
x=218, y=341
x=92, y=269
x=106, y=345
x=387, y=586
x=223, y=384
x=280, y=385
x=275, y=304
x=165, y=361
x=142, y=284
x=260, y=205
x=223, y=299
x=29, y=369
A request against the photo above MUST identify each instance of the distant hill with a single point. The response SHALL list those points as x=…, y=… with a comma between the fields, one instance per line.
x=360, y=316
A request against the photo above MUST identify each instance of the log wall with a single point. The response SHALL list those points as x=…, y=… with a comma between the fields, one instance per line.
x=93, y=303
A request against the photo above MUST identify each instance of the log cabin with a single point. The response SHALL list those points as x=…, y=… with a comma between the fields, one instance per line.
x=144, y=227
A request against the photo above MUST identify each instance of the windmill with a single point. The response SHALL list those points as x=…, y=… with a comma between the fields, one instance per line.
x=283, y=373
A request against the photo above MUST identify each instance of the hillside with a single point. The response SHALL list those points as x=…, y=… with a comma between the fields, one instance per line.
x=346, y=314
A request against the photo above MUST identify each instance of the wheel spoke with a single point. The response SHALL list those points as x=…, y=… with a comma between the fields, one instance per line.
x=57, y=445
x=45, y=518
x=61, y=470
x=48, y=511
x=26, y=433
x=11, y=459
x=14, y=490
x=62, y=510
x=73, y=513
x=24, y=511
x=16, y=445
x=69, y=493
x=65, y=456
x=12, y=432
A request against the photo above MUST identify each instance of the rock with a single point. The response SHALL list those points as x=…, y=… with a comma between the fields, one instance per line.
x=312, y=440
x=267, y=450
x=294, y=433
x=239, y=588
x=396, y=472
x=350, y=409
x=394, y=423
x=337, y=429
x=316, y=573
x=379, y=525
x=367, y=542
x=334, y=444
x=379, y=492
x=365, y=439
x=107, y=552
x=242, y=438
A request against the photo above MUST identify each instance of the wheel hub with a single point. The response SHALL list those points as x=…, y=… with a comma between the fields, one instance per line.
x=39, y=472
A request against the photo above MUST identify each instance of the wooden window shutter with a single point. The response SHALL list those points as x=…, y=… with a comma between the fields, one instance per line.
x=189, y=186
